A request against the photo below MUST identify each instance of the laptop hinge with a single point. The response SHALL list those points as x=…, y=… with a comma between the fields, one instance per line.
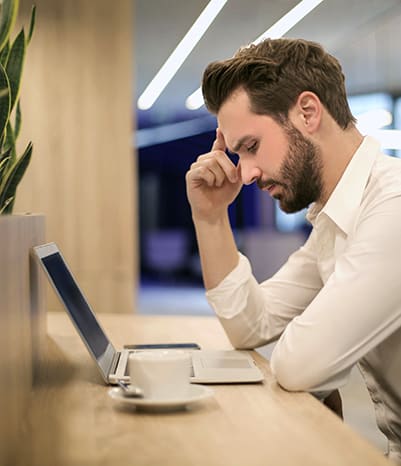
x=114, y=362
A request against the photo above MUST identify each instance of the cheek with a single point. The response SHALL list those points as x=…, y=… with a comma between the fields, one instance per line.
x=272, y=155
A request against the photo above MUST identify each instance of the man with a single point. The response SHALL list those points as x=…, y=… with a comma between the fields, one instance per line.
x=281, y=106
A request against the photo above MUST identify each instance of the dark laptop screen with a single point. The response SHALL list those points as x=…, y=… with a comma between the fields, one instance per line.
x=76, y=304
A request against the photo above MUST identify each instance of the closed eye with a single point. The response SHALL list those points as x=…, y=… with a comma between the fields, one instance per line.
x=252, y=148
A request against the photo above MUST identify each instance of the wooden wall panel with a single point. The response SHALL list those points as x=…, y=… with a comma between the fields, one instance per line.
x=77, y=109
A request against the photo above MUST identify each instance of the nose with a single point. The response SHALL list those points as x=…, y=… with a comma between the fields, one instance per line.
x=249, y=172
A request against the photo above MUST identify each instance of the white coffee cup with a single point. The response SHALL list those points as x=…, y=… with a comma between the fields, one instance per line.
x=161, y=374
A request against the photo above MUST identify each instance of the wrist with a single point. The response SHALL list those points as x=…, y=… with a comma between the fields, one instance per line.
x=216, y=219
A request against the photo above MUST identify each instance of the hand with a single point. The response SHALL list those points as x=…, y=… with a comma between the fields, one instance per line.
x=213, y=182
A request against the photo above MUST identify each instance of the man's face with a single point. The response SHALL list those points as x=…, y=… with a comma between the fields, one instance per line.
x=278, y=157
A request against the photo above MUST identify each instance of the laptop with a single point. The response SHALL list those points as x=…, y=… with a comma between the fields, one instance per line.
x=208, y=366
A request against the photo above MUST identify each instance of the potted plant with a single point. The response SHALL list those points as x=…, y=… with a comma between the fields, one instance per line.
x=12, y=55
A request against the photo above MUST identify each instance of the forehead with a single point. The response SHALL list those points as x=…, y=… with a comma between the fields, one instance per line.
x=234, y=110
x=237, y=121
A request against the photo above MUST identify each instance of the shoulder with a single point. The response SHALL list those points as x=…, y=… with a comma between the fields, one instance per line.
x=385, y=179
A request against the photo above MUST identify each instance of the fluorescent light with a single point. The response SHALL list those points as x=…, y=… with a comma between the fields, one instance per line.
x=281, y=27
x=176, y=59
x=289, y=20
x=195, y=100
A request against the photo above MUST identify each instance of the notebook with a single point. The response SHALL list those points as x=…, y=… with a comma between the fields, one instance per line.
x=208, y=366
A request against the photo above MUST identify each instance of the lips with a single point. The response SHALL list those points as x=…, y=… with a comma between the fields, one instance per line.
x=268, y=186
x=271, y=188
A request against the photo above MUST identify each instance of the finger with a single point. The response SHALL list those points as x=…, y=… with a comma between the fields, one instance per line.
x=220, y=165
x=229, y=168
x=202, y=169
x=201, y=174
x=238, y=168
x=219, y=175
x=219, y=142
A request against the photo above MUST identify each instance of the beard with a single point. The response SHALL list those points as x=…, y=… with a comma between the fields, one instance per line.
x=300, y=176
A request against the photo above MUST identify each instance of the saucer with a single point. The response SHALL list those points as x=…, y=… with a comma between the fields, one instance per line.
x=195, y=393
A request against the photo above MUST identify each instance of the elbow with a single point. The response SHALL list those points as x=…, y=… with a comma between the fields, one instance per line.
x=288, y=379
x=240, y=337
x=301, y=363
x=297, y=374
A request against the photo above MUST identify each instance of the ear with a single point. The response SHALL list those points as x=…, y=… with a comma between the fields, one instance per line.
x=308, y=109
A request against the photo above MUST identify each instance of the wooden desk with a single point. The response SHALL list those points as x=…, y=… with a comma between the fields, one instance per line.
x=72, y=421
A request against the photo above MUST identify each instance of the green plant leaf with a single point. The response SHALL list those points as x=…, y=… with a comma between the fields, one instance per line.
x=4, y=54
x=32, y=24
x=9, y=10
x=10, y=141
x=18, y=119
x=5, y=155
x=3, y=166
x=12, y=55
x=14, y=175
x=4, y=163
x=6, y=206
x=14, y=66
x=5, y=99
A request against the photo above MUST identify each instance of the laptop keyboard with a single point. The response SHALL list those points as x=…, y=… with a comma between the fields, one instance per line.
x=192, y=374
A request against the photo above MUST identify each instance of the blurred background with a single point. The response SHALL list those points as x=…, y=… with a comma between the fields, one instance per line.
x=172, y=131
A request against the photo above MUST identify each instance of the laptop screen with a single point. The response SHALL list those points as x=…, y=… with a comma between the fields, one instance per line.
x=76, y=304
x=84, y=320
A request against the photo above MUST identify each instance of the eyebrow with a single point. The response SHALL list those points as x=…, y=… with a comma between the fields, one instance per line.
x=240, y=143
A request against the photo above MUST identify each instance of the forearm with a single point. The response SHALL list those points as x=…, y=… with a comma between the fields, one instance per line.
x=217, y=249
x=253, y=314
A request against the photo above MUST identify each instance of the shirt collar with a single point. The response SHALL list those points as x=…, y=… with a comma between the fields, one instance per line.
x=347, y=195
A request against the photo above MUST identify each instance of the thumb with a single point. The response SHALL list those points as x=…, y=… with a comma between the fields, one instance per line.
x=219, y=142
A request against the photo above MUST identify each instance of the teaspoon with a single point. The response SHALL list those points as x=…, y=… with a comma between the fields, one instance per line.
x=130, y=390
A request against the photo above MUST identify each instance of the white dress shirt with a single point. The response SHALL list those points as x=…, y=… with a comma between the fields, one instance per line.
x=337, y=300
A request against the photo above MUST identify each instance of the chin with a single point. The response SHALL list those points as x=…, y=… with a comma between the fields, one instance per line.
x=290, y=209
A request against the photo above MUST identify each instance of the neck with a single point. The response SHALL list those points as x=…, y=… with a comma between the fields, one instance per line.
x=338, y=147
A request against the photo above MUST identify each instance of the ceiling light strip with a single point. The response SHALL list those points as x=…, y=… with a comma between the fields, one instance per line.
x=289, y=20
x=281, y=27
x=181, y=52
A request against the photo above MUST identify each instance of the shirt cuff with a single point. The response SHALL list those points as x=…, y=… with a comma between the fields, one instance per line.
x=227, y=295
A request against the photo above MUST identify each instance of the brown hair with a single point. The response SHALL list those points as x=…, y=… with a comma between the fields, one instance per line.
x=274, y=73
